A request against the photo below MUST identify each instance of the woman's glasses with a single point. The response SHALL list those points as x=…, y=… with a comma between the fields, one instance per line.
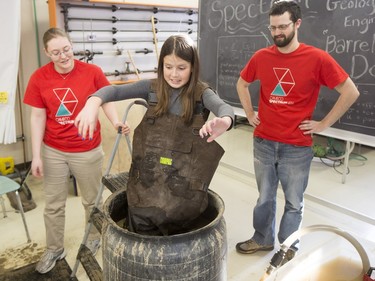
x=57, y=53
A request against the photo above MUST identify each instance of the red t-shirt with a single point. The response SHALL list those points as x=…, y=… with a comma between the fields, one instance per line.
x=63, y=99
x=289, y=89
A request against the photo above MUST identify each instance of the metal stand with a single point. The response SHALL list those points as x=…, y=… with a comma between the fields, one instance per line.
x=84, y=255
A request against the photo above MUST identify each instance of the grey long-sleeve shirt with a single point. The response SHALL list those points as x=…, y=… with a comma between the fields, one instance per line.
x=142, y=88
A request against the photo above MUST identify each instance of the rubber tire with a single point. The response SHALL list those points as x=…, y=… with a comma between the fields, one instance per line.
x=199, y=255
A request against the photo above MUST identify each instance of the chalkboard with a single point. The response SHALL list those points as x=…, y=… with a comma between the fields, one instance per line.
x=230, y=31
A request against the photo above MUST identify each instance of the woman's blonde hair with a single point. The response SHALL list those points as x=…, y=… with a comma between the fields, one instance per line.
x=52, y=33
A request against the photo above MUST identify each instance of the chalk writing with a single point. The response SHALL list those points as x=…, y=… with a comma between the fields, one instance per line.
x=364, y=23
x=232, y=30
x=241, y=16
x=343, y=5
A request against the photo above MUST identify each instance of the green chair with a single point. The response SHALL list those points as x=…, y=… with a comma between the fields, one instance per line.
x=8, y=185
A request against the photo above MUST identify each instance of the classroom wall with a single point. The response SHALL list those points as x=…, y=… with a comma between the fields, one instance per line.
x=34, y=21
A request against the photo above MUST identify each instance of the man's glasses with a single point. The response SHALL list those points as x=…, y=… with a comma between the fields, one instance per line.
x=280, y=27
x=57, y=53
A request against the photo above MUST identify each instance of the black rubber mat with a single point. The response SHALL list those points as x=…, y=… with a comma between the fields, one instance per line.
x=61, y=272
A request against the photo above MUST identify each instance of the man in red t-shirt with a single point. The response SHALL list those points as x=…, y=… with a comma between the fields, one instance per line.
x=290, y=75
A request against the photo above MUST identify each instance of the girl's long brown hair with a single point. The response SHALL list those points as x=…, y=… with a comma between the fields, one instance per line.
x=183, y=47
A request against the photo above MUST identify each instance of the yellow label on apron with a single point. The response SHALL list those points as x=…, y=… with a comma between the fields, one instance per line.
x=165, y=161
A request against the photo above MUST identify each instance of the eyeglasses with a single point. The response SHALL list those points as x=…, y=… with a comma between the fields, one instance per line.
x=57, y=53
x=281, y=27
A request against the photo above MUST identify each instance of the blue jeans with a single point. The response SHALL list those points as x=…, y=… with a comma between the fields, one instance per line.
x=276, y=162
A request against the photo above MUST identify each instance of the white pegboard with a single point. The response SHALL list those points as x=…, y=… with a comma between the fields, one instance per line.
x=121, y=36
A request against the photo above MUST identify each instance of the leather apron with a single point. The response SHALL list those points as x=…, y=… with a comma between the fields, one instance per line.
x=172, y=167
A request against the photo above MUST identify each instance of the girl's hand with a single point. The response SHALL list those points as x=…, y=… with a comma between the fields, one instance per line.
x=215, y=127
x=87, y=119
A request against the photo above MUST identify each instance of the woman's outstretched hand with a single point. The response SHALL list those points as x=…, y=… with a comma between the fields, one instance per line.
x=215, y=127
x=87, y=119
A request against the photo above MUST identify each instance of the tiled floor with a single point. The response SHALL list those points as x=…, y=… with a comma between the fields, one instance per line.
x=348, y=207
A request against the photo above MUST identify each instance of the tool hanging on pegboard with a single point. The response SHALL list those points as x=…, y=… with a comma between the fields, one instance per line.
x=87, y=55
x=103, y=34
x=133, y=64
x=155, y=41
x=115, y=8
x=115, y=30
x=118, y=73
x=118, y=52
x=115, y=19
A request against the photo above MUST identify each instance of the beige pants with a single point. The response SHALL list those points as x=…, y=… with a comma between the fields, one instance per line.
x=86, y=167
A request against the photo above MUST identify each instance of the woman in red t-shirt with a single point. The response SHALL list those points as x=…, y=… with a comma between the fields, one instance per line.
x=57, y=92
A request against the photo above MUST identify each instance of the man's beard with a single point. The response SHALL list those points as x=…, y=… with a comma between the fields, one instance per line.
x=285, y=42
